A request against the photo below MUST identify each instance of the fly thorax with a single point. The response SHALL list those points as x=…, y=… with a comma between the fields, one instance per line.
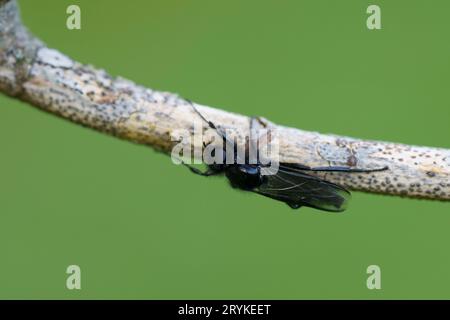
x=246, y=177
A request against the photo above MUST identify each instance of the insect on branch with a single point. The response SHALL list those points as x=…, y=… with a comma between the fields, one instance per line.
x=53, y=82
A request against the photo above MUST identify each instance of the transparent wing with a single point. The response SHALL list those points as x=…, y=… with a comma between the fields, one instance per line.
x=297, y=188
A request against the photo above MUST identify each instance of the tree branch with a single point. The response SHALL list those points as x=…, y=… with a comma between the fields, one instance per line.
x=47, y=79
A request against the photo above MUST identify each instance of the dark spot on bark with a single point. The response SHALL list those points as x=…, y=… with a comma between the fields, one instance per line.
x=352, y=161
x=431, y=174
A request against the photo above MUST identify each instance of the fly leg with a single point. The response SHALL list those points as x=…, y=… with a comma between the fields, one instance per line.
x=252, y=142
x=210, y=123
x=255, y=138
x=255, y=119
x=206, y=173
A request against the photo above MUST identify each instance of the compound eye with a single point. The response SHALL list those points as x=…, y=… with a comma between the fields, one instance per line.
x=249, y=170
x=243, y=169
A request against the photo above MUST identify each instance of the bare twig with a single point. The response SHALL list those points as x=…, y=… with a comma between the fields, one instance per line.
x=55, y=83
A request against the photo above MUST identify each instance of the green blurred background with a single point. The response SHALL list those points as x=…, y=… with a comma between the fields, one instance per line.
x=139, y=227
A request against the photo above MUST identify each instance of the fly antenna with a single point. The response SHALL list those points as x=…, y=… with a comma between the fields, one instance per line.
x=211, y=124
x=227, y=142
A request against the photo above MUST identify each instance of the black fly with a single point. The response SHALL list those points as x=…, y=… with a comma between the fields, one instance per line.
x=291, y=184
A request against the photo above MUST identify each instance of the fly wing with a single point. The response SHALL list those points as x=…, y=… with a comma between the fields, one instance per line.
x=297, y=188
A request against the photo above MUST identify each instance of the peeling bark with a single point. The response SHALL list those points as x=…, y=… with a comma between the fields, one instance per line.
x=47, y=79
